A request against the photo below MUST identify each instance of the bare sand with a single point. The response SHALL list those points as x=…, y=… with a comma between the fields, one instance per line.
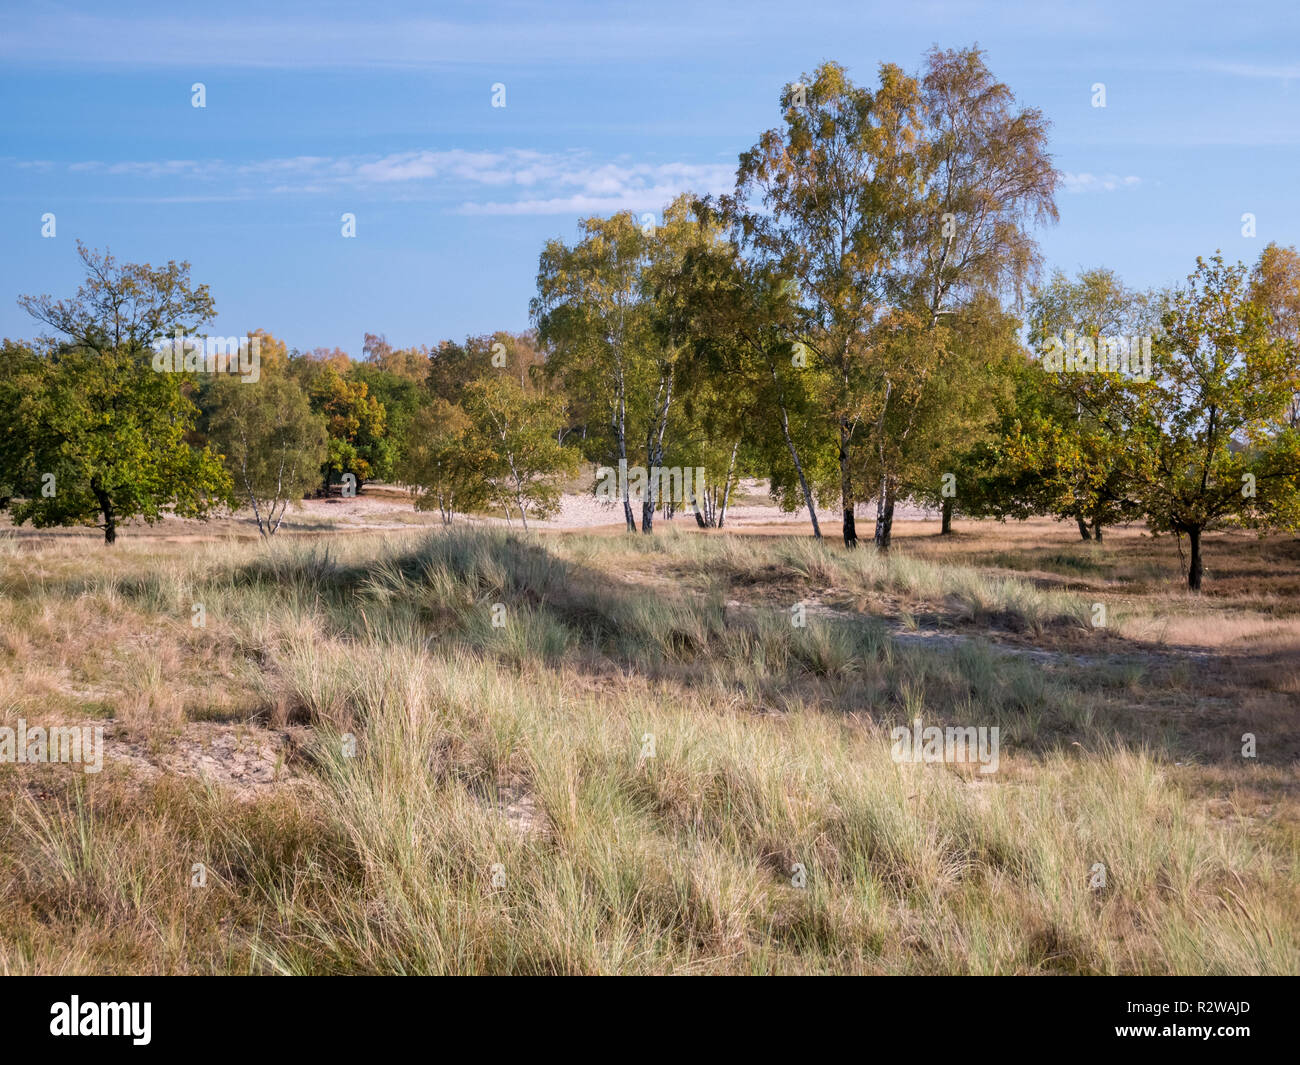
x=385, y=506
x=381, y=506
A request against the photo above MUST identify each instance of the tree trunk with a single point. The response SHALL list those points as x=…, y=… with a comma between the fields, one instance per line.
x=885, y=515
x=1194, y=569
x=628, y=516
x=808, y=500
x=620, y=430
x=105, y=502
x=945, y=529
x=794, y=456
x=846, y=490
x=1083, y=527
x=696, y=490
x=257, y=513
x=654, y=449
x=279, y=489
x=726, y=490
x=1096, y=529
x=885, y=499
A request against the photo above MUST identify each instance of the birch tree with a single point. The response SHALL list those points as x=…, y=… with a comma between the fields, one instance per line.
x=823, y=200
x=271, y=441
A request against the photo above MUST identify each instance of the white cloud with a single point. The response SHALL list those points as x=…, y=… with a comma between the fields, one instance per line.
x=1098, y=182
x=506, y=182
x=579, y=187
x=1257, y=70
x=580, y=203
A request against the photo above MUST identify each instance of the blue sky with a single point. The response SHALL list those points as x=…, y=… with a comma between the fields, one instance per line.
x=385, y=111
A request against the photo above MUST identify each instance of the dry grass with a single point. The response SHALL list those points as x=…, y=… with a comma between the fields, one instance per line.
x=474, y=798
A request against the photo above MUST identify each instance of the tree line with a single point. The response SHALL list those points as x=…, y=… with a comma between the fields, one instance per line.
x=94, y=433
x=863, y=319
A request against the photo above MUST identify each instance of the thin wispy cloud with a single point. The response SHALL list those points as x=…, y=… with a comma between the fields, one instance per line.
x=1258, y=70
x=163, y=168
x=507, y=182
x=314, y=110
x=1098, y=182
x=631, y=198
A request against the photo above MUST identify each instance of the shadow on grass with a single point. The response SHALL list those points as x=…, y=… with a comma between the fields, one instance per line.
x=512, y=599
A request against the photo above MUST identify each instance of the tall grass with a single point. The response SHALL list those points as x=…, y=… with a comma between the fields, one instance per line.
x=622, y=777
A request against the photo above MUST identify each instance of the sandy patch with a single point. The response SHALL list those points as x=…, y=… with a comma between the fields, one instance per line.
x=249, y=762
x=383, y=506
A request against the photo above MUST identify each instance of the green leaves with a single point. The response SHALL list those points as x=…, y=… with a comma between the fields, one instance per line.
x=446, y=460
x=497, y=446
x=897, y=213
x=272, y=441
x=113, y=434
x=356, y=423
x=527, y=465
x=90, y=430
x=124, y=307
x=1211, y=415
